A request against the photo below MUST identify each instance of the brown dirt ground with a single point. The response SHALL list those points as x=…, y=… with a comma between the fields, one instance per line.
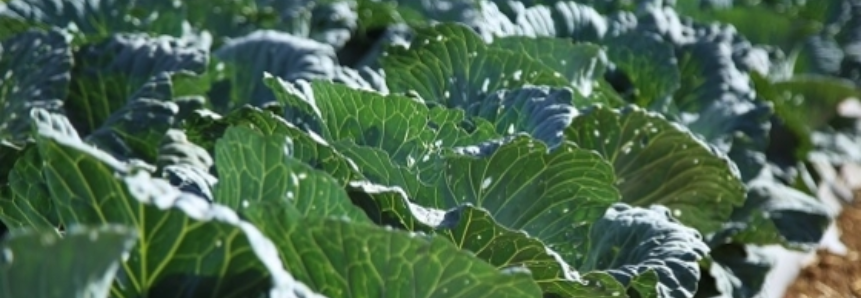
x=833, y=275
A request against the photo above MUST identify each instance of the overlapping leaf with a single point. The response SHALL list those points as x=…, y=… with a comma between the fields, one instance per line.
x=203, y=128
x=450, y=65
x=135, y=130
x=717, y=101
x=83, y=263
x=552, y=196
x=582, y=64
x=255, y=168
x=186, y=244
x=629, y=242
x=393, y=140
x=284, y=55
x=536, y=204
x=287, y=199
x=382, y=262
x=564, y=19
x=659, y=162
x=408, y=132
x=737, y=270
x=648, y=62
x=94, y=19
x=475, y=230
x=37, y=69
x=542, y=112
x=29, y=204
x=109, y=73
x=776, y=213
x=185, y=164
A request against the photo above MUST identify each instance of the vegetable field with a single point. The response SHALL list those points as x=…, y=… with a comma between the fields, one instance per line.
x=453, y=148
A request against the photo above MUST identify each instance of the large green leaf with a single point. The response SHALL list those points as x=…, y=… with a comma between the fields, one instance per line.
x=552, y=196
x=330, y=22
x=255, y=167
x=284, y=55
x=529, y=197
x=717, y=102
x=393, y=143
x=648, y=62
x=134, y=131
x=382, y=129
x=394, y=140
x=381, y=262
x=37, y=65
x=450, y=65
x=187, y=245
x=613, y=260
x=82, y=263
x=401, y=127
x=475, y=230
x=185, y=164
x=94, y=19
x=310, y=148
x=542, y=112
x=660, y=162
x=629, y=242
x=108, y=73
x=777, y=213
x=28, y=204
x=582, y=64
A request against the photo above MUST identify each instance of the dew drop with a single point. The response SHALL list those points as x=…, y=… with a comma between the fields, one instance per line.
x=485, y=85
x=486, y=183
x=8, y=256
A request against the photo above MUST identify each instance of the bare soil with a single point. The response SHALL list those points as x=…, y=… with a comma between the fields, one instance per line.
x=832, y=275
